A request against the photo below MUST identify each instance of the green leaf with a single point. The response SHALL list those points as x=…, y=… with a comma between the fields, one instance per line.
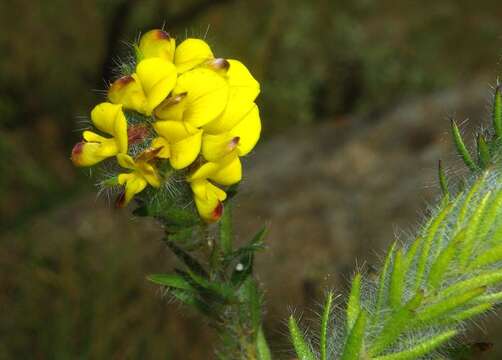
x=354, y=302
x=432, y=231
x=497, y=112
x=171, y=280
x=301, y=347
x=191, y=299
x=187, y=259
x=396, y=324
x=354, y=343
x=462, y=150
x=324, y=325
x=444, y=306
x=243, y=269
x=471, y=230
x=250, y=296
x=397, y=281
x=420, y=349
x=443, y=182
x=385, y=274
x=262, y=346
x=484, y=157
x=439, y=268
x=256, y=244
x=219, y=291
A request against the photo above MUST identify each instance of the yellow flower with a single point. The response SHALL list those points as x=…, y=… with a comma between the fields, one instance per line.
x=208, y=197
x=178, y=141
x=239, y=126
x=144, y=90
x=156, y=43
x=191, y=53
x=199, y=97
x=142, y=174
x=109, y=119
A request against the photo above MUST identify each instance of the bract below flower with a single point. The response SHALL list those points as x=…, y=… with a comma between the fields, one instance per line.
x=143, y=174
x=191, y=53
x=156, y=43
x=242, y=137
x=203, y=96
x=109, y=119
x=144, y=90
x=179, y=142
x=243, y=90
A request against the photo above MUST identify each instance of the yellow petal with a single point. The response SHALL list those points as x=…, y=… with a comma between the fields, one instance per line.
x=91, y=136
x=174, y=131
x=172, y=108
x=191, y=53
x=157, y=43
x=184, y=152
x=86, y=154
x=226, y=171
x=237, y=107
x=149, y=173
x=128, y=91
x=204, y=172
x=243, y=91
x=214, y=147
x=103, y=116
x=228, y=174
x=184, y=141
x=126, y=161
x=120, y=132
x=206, y=96
x=242, y=137
x=158, y=77
x=248, y=131
x=239, y=76
x=160, y=142
x=208, y=200
x=133, y=185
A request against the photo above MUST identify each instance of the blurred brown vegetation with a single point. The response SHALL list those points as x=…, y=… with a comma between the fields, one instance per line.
x=72, y=270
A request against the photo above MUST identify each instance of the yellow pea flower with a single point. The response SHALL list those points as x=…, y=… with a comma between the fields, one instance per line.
x=191, y=53
x=156, y=43
x=144, y=90
x=179, y=142
x=109, y=119
x=243, y=90
x=201, y=95
x=208, y=197
x=142, y=174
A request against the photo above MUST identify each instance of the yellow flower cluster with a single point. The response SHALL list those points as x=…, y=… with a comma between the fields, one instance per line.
x=201, y=109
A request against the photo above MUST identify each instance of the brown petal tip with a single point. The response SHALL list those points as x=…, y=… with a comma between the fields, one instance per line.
x=76, y=153
x=217, y=212
x=219, y=64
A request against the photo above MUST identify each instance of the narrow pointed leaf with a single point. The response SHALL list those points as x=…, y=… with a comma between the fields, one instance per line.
x=421, y=349
x=354, y=303
x=461, y=148
x=301, y=347
x=497, y=112
x=262, y=347
x=443, y=181
x=354, y=344
x=484, y=158
x=324, y=325
x=171, y=280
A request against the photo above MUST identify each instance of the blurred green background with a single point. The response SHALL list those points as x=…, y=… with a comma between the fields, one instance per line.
x=74, y=295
